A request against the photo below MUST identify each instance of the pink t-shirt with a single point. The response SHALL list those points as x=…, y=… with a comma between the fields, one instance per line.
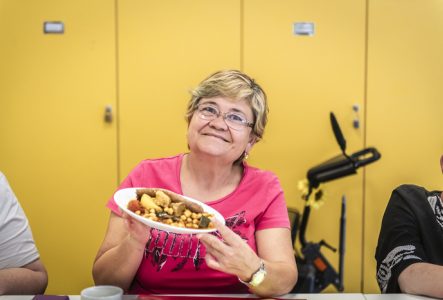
x=174, y=263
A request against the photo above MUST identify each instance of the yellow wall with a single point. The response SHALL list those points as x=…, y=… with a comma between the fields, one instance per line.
x=58, y=154
x=306, y=78
x=405, y=71
x=142, y=57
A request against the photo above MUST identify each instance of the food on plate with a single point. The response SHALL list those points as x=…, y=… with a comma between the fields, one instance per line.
x=169, y=208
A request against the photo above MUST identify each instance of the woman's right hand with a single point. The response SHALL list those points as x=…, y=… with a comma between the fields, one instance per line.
x=138, y=232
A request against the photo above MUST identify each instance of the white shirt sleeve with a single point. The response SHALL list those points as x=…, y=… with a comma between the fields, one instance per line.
x=17, y=247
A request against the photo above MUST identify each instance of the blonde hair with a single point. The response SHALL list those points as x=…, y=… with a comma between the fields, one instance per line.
x=235, y=85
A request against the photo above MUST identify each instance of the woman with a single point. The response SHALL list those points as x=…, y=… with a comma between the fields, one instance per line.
x=226, y=115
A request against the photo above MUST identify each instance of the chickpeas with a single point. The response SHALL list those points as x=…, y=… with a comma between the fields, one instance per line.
x=164, y=212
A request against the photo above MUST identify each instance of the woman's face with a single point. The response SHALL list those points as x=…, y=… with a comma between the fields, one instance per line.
x=213, y=136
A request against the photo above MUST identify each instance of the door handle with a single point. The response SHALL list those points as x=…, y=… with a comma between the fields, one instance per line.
x=356, y=120
x=108, y=113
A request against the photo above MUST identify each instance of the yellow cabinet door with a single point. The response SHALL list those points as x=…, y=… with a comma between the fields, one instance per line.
x=306, y=77
x=56, y=150
x=405, y=92
x=165, y=49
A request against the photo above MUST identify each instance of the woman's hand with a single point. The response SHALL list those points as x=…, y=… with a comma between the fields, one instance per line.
x=122, y=249
x=138, y=233
x=234, y=256
x=231, y=255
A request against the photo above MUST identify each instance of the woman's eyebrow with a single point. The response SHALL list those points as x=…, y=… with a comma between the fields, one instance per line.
x=209, y=102
x=236, y=110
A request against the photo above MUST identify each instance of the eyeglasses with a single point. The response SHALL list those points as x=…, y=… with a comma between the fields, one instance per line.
x=234, y=120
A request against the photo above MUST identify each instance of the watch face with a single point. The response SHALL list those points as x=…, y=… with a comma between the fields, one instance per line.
x=258, y=278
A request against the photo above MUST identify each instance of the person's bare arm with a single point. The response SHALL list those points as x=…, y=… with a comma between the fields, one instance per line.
x=422, y=279
x=122, y=249
x=30, y=279
x=275, y=248
x=235, y=257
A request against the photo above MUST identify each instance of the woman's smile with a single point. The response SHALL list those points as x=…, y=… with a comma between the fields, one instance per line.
x=215, y=135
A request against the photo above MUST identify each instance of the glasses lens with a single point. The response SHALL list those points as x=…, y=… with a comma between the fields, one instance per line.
x=207, y=112
x=236, y=121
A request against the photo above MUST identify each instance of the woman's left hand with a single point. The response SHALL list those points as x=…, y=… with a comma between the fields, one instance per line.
x=231, y=255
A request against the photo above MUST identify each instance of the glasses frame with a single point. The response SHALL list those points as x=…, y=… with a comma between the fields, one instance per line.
x=224, y=115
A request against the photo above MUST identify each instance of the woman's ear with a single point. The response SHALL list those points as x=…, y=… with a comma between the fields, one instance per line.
x=441, y=163
x=251, y=143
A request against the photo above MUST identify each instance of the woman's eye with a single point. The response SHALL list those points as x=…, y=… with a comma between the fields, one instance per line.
x=209, y=110
x=236, y=118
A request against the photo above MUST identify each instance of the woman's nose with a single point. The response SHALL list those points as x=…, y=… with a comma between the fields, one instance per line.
x=219, y=122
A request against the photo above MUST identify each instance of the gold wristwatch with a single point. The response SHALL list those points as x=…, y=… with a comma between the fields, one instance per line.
x=258, y=276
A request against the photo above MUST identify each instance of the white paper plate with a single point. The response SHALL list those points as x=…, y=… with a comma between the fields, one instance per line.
x=123, y=196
